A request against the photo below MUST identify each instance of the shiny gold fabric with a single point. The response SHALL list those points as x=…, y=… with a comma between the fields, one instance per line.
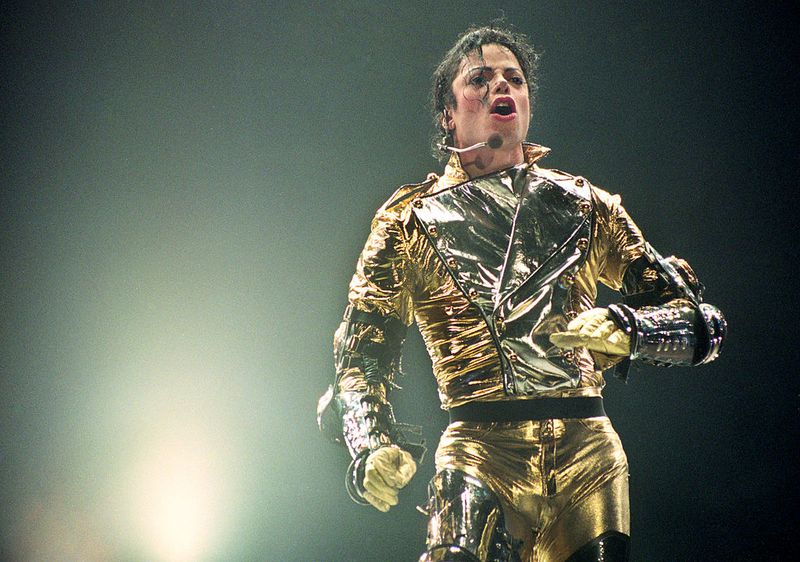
x=562, y=482
x=399, y=274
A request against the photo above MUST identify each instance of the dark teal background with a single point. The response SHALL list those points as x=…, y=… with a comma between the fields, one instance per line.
x=186, y=187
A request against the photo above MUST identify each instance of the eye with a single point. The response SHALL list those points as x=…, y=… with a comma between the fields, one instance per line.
x=518, y=80
x=478, y=80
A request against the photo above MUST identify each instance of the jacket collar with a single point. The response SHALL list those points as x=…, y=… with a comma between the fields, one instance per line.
x=455, y=174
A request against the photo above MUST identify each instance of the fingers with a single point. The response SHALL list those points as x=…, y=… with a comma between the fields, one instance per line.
x=619, y=343
x=588, y=320
x=377, y=503
x=603, y=331
x=377, y=488
x=567, y=340
x=387, y=470
x=604, y=337
x=589, y=329
x=395, y=466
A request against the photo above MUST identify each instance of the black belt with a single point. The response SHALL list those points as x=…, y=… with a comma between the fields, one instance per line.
x=532, y=409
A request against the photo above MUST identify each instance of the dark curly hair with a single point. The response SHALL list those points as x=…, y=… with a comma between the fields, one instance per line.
x=471, y=41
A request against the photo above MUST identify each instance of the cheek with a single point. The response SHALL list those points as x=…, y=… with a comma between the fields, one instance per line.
x=469, y=102
x=525, y=108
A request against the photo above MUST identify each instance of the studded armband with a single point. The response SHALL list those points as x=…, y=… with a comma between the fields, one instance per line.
x=367, y=422
x=664, y=315
x=354, y=411
x=676, y=333
x=364, y=423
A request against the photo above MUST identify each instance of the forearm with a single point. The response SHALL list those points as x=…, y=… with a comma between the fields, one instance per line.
x=678, y=332
x=664, y=315
x=355, y=411
x=367, y=350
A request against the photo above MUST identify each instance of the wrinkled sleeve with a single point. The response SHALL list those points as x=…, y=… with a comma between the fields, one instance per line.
x=381, y=281
x=662, y=309
x=379, y=290
x=367, y=347
x=621, y=239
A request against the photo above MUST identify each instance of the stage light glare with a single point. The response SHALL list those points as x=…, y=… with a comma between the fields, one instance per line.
x=177, y=501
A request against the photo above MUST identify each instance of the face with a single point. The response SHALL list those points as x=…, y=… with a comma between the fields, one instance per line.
x=491, y=97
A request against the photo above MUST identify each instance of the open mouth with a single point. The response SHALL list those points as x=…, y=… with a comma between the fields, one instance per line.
x=503, y=106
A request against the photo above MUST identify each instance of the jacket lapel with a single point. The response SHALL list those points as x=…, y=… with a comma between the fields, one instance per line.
x=498, y=235
x=547, y=223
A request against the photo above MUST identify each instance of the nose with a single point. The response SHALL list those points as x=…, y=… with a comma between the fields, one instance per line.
x=500, y=85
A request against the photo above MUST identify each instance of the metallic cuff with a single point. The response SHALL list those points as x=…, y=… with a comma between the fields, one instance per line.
x=717, y=328
x=664, y=335
x=625, y=319
x=367, y=422
x=354, y=479
x=364, y=423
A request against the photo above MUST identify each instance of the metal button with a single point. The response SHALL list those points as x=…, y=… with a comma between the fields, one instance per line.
x=417, y=203
x=473, y=293
x=433, y=231
x=571, y=314
x=585, y=207
x=451, y=263
x=513, y=356
x=568, y=356
x=567, y=280
x=582, y=243
x=579, y=182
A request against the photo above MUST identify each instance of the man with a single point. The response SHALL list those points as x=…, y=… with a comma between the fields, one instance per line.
x=498, y=262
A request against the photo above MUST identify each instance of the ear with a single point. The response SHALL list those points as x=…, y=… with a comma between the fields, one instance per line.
x=448, y=122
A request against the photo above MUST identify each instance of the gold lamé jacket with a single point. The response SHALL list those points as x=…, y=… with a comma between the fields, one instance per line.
x=488, y=268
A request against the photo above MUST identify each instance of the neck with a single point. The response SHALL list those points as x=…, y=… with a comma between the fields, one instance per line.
x=485, y=160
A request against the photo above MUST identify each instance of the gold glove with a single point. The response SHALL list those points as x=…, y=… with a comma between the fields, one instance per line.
x=594, y=330
x=387, y=470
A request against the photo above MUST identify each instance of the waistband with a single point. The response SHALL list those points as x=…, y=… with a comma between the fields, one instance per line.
x=532, y=409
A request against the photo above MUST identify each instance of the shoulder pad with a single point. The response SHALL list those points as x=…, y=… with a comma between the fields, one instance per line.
x=552, y=173
x=577, y=185
x=408, y=191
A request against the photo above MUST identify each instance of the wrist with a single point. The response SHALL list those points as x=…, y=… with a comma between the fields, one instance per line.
x=625, y=319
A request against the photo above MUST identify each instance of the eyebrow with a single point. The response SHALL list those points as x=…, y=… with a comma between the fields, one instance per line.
x=482, y=68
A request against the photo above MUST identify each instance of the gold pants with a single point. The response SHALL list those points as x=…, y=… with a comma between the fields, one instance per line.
x=561, y=482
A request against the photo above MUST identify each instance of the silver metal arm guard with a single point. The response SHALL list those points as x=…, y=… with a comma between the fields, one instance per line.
x=677, y=333
x=368, y=345
x=664, y=315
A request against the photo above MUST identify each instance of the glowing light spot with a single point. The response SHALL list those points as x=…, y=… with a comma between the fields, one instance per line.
x=177, y=499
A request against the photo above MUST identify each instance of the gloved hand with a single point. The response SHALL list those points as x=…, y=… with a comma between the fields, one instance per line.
x=387, y=470
x=594, y=330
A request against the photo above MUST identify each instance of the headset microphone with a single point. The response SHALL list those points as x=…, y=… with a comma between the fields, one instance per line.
x=494, y=142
